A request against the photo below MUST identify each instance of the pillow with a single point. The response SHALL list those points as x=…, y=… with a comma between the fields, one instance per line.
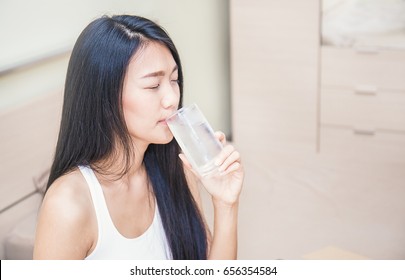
x=19, y=242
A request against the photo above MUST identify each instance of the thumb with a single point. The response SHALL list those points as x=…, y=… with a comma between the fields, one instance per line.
x=187, y=164
x=185, y=161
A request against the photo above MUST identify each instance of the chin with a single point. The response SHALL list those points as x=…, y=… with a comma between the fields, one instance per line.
x=165, y=140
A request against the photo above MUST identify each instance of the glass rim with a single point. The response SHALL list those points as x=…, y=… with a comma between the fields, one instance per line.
x=182, y=109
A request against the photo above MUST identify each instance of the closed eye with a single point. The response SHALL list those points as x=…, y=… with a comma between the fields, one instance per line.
x=154, y=86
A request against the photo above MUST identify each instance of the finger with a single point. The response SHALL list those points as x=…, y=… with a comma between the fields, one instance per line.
x=221, y=137
x=185, y=161
x=232, y=168
x=187, y=164
x=225, y=153
x=232, y=158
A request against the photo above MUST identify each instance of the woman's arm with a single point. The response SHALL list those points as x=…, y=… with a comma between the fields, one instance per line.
x=224, y=243
x=64, y=228
x=224, y=188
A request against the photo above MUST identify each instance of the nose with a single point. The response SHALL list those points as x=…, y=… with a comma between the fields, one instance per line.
x=171, y=96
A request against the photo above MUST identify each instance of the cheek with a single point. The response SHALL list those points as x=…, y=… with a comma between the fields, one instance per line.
x=132, y=112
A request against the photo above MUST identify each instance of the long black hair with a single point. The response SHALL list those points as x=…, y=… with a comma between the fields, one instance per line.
x=93, y=126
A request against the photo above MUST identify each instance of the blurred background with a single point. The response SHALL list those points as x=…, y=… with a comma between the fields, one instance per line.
x=312, y=93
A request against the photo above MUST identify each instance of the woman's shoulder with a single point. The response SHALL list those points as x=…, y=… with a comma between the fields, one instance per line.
x=69, y=195
x=66, y=226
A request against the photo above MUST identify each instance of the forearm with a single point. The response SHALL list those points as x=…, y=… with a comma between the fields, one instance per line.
x=225, y=232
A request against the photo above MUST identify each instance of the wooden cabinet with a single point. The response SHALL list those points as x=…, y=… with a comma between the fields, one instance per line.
x=289, y=93
x=363, y=103
x=274, y=74
x=321, y=133
x=362, y=70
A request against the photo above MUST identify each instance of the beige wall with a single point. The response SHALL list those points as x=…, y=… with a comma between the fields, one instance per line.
x=199, y=28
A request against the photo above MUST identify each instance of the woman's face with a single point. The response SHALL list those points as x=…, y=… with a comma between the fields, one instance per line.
x=150, y=94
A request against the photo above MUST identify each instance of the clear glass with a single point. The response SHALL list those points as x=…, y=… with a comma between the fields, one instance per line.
x=196, y=138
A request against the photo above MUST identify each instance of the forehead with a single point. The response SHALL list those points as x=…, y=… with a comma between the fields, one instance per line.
x=151, y=57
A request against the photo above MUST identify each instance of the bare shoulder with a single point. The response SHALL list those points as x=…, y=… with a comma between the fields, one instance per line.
x=70, y=195
x=66, y=220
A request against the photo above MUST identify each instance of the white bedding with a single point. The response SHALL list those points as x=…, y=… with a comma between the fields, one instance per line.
x=378, y=24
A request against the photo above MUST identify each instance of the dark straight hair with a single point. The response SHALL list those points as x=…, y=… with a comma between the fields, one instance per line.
x=93, y=126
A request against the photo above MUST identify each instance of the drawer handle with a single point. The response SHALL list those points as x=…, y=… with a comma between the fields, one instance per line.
x=364, y=131
x=365, y=90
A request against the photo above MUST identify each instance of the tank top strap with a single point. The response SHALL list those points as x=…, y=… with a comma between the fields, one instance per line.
x=98, y=199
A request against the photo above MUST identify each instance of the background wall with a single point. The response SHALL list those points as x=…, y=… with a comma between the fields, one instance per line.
x=31, y=30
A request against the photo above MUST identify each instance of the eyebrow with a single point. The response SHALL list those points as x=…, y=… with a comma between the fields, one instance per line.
x=159, y=73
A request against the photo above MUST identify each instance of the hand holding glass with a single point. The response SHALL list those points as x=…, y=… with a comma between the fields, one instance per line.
x=196, y=138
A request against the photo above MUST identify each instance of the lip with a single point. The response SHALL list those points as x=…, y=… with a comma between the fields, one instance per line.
x=162, y=122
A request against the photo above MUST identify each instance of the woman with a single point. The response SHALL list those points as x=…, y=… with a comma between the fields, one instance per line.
x=119, y=187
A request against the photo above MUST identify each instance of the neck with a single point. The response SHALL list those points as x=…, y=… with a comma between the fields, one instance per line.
x=137, y=165
x=113, y=167
x=111, y=172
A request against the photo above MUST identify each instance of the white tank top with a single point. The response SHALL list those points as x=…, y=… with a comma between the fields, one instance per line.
x=111, y=245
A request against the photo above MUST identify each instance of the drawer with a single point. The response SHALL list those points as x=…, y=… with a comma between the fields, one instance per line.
x=354, y=69
x=380, y=146
x=378, y=110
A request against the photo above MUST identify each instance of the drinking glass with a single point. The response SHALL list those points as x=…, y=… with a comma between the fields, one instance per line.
x=196, y=138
